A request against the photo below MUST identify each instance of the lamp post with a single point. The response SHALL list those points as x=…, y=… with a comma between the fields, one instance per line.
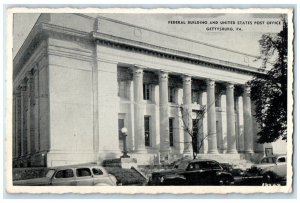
x=124, y=135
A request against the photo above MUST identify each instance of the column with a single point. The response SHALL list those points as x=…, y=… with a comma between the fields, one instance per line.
x=139, y=131
x=164, y=112
x=23, y=128
x=248, y=126
x=31, y=133
x=211, y=118
x=187, y=114
x=14, y=127
x=231, y=139
x=240, y=123
x=36, y=111
x=203, y=124
x=18, y=123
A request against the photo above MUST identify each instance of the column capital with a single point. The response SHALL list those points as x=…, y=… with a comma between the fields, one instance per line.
x=137, y=71
x=210, y=83
x=229, y=85
x=247, y=90
x=186, y=79
x=22, y=87
x=163, y=75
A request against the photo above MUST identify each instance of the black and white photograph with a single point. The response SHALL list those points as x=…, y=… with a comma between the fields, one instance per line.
x=160, y=100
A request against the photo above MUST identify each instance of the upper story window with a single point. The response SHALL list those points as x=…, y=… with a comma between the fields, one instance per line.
x=218, y=100
x=122, y=89
x=147, y=88
x=171, y=94
x=195, y=96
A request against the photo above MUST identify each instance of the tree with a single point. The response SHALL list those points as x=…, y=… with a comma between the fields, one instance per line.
x=269, y=91
x=197, y=139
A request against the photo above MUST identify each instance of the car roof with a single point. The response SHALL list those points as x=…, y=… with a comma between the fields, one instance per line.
x=89, y=165
x=275, y=155
x=197, y=160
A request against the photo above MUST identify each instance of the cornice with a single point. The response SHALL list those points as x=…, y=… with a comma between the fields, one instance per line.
x=162, y=52
x=43, y=31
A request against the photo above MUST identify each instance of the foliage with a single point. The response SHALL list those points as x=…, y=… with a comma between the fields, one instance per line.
x=126, y=176
x=269, y=91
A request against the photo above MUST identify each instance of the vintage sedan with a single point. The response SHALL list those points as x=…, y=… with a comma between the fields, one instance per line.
x=193, y=172
x=75, y=175
x=275, y=173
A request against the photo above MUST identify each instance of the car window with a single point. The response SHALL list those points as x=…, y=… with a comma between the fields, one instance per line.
x=213, y=165
x=97, y=171
x=271, y=160
x=50, y=173
x=265, y=160
x=190, y=167
x=68, y=173
x=281, y=159
x=82, y=172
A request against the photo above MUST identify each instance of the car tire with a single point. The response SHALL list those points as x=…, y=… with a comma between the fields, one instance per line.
x=224, y=180
x=268, y=178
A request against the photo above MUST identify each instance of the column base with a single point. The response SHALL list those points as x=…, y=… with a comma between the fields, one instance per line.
x=248, y=151
x=232, y=152
x=215, y=151
x=140, y=151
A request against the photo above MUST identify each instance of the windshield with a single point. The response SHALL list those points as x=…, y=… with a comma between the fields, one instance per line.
x=50, y=173
x=181, y=165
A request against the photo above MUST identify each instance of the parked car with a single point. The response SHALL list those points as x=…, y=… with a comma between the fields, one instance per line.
x=193, y=172
x=272, y=169
x=75, y=175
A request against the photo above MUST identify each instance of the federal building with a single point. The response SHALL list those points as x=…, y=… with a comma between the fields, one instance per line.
x=78, y=79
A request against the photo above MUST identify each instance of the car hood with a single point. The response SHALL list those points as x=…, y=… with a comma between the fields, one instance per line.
x=34, y=181
x=168, y=172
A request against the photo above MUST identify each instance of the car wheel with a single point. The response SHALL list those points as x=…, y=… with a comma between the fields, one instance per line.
x=224, y=180
x=268, y=179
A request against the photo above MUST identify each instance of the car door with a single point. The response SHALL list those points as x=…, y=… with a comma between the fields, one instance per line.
x=280, y=167
x=84, y=177
x=191, y=174
x=266, y=162
x=203, y=173
x=100, y=177
x=64, y=177
x=212, y=168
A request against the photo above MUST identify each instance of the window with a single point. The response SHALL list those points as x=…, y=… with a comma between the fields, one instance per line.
x=281, y=159
x=171, y=94
x=82, y=172
x=68, y=173
x=121, y=125
x=195, y=96
x=97, y=171
x=147, y=91
x=147, y=130
x=122, y=89
x=171, y=131
x=218, y=100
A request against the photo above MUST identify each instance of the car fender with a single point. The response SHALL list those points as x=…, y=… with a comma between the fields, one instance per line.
x=225, y=174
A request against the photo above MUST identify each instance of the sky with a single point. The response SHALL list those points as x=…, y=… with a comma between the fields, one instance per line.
x=245, y=41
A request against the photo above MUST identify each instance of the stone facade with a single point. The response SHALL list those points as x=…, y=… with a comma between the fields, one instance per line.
x=78, y=79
